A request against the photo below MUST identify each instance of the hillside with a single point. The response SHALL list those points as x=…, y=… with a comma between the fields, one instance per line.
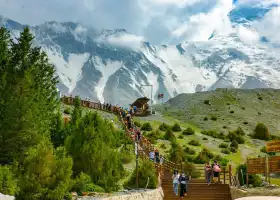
x=231, y=107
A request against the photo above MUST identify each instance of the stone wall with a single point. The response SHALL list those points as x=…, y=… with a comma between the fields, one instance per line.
x=239, y=193
x=156, y=194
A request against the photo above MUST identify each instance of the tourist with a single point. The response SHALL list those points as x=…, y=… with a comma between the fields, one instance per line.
x=157, y=156
x=161, y=160
x=208, y=172
x=216, y=171
x=152, y=155
x=175, y=178
x=183, y=180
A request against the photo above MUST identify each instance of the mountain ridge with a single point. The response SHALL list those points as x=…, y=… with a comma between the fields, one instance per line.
x=112, y=65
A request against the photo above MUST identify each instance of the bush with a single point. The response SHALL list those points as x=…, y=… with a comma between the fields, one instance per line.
x=225, y=127
x=138, y=124
x=204, y=138
x=234, y=144
x=233, y=150
x=225, y=151
x=180, y=136
x=147, y=127
x=214, y=118
x=205, y=118
x=260, y=98
x=213, y=134
x=261, y=132
x=240, y=131
x=176, y=127
x=194, y=143
x=207, y=102
x=163, y=146
x=263, y=149
x=245, y=123
x=254, y=180
x=153, y=136
x=240, y=139
x=67, y=111
x=203, y=156
x=163, y=127
x=145, y=170
x=188, y=131
x=232, y=135
x=169, y=135
x=232, y=111
x=223, y=145
x=189, y=151
x=7, y=181
x=243, y=108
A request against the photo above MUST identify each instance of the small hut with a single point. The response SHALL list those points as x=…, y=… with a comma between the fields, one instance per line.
x=142, y=106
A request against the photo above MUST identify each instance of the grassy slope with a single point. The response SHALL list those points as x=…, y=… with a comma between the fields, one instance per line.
x=189, y=110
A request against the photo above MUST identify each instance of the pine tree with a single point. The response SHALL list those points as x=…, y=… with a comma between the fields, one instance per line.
x=29, y=96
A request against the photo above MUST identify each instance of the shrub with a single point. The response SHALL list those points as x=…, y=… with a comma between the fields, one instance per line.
x=205, y=118
x=260, y=98
x=243, y=108
x=145, y=170
x=204, y=138
x=232, y=111
x=67, y=111
x=254, y=180
x=240, y=139
x=234, y=144
x=213, y=134
x=263, y=149
x=232, y=135
x=153, y=136
x=169, y=135
x=233, y=150
x=163, y=127
x=180, y=136
x=207, y=102
x=147, y=127
x=138, y=124
x=176, y=127
x=259, y=113
x=194, y=143
x=188, y=131
x=7, y=181
x=225, y=151
x=214, y=118
x=163, y=146
x=189, y=151
x=223, y=145
x=261, y=132
x=245, y=122
x=203, y=156
x=224, y=127
x=240, y=131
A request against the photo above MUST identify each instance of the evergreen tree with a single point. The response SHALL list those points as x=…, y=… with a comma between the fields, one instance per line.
x=92, y=145
x=45, y=173
x=28, y=97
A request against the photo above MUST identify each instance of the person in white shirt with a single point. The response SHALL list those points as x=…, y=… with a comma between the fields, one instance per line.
x=175, y=178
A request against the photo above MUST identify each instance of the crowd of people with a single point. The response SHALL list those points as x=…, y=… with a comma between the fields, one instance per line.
x=211, y=171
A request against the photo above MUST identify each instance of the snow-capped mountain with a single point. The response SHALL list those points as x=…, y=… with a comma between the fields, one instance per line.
x=112, y=65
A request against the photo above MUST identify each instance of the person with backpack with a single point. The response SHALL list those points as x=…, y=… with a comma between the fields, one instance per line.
x=175, y=178
x=183, y=180
x=216, y=171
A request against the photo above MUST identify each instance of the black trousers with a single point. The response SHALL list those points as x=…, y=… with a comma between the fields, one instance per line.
x=183, y=189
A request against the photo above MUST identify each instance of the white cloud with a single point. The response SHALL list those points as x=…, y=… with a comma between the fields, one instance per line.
x=125, y=40
x=269, y=26
x=200, y=26
x=247, y=35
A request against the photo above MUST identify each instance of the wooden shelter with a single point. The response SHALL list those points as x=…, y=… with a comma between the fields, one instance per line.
x=142, y=106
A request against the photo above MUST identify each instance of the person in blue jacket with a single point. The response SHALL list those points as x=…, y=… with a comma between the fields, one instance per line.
x=183, y=180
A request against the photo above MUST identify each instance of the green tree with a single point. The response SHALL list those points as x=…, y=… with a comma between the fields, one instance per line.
x=261, y=132
x=146, y=170
x=188, y=131
x=45, y=173
x=77, y=111
x=146, y=127
x=8, y=184
x=92, y=143
x=28, y=97
x=176, y=127
x=176, y=153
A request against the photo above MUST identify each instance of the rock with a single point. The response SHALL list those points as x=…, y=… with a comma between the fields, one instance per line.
x=6, y=197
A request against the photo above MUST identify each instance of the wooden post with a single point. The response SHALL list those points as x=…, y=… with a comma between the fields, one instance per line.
x=224, y=175
x=230, y=175
x=265, y=168
x=247, y=176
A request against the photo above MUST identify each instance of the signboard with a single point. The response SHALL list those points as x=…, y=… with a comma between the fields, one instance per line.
x=274, y=164
x=273, y=146
x=256, y=166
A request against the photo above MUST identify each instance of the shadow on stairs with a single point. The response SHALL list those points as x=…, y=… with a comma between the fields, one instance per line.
x=197, y=190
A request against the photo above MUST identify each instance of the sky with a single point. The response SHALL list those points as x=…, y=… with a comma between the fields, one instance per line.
x=157, y=21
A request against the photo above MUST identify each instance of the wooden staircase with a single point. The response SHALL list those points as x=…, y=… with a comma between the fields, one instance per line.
x=197, y=189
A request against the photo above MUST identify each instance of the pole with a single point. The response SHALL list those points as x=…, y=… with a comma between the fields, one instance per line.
x=136, y=164
x=151, y=98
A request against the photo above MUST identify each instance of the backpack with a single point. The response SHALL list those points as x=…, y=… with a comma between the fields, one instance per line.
x=216, y=168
